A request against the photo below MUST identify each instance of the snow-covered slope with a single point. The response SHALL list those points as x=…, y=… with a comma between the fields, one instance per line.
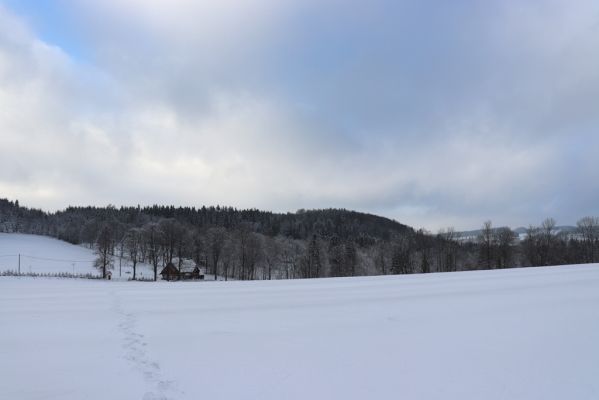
x=508, y=334
x=42, y=254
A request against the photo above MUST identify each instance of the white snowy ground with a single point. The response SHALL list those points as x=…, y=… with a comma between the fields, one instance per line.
x=42, y=254
x=510, y=334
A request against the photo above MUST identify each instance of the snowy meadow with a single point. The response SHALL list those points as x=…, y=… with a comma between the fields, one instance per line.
x=509, y=334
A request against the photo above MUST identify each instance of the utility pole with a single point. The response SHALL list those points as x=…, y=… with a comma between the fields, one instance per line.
x=19, y=264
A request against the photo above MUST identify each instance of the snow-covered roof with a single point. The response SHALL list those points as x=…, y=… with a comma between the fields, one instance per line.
x=186, y=265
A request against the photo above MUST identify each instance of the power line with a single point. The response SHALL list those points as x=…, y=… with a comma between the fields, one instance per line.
x=47, y=259
x=56, y=259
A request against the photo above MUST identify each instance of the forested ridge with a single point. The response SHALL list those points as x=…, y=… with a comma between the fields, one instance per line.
x=255, y=244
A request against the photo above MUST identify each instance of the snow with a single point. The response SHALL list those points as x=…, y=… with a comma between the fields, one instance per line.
x=42, y=255
x=508, y=334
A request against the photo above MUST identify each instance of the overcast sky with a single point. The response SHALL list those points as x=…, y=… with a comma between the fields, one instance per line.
x=434, y=113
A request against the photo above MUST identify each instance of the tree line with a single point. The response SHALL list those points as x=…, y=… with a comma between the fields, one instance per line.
x=253, y=244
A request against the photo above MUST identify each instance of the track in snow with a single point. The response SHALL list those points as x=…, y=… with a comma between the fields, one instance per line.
x=137, y=354
x=520, y=334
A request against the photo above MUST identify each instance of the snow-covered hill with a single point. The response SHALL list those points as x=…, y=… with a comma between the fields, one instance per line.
x=504, y=334
x=42, y=255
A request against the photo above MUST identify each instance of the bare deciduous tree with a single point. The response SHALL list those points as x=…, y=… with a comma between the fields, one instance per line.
x=291, y=252
x=402, y=259
x=311, y=265
x=447, y=254
x=382, y=257
x=588, y=229
x=228, y=256
x=133, y=247
x=104, y=245
x=504, y=239
x=271, y=256
x=172, y=234
x=152, y=239
x=215, y=242
x=485, y=240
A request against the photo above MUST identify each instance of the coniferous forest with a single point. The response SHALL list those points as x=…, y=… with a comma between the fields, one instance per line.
x=253, y=244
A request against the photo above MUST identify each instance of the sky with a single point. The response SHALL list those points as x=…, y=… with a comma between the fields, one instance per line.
x=433, y=113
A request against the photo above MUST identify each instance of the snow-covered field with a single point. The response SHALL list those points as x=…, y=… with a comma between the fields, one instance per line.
x=42, y=255
x=509, y=334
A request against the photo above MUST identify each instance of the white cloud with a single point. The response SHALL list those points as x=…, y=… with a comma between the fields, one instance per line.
x=269, y=104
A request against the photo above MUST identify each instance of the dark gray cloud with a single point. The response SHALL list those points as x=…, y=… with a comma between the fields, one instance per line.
x=433, y=113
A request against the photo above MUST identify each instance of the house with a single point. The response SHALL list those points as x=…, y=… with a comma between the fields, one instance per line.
x=188, y=271
x=170, y=272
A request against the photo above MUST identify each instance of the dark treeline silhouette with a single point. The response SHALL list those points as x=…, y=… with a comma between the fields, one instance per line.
x=254, y=244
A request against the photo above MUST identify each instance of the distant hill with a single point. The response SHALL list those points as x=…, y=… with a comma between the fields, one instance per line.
x=520, y=232
x=68, y=224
